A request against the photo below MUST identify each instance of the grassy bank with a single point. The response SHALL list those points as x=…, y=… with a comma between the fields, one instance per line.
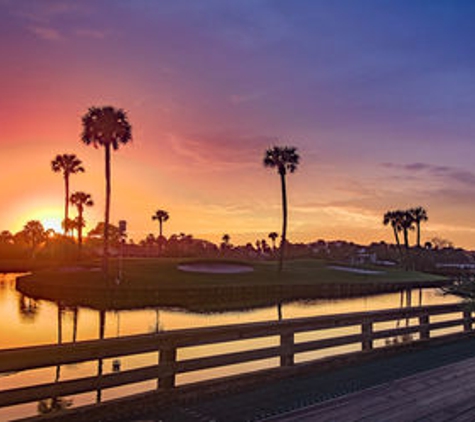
x=159, y=282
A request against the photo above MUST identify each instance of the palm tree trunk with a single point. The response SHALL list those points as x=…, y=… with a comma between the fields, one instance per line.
x=160, y=222
x=284, y=221
x=105, y=258
x=398, y=243
x=406, y=238
x=80, y=211
x=418, y=224
x=66, y=203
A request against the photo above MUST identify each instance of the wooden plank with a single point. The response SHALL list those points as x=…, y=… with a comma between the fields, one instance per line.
x=447, y=324
x=394, y=332
x=216, y=361
x=81, y=385
x=315, y=345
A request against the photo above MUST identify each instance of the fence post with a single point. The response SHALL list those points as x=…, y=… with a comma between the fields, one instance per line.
x=167, y=360
x=467, y=320
x=287, y=349
x=424, y=330
x=367, y=332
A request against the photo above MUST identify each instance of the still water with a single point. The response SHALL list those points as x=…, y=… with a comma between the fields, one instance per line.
x=26, y=322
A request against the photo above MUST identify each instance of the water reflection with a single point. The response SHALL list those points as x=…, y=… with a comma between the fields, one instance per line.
x=28, y=308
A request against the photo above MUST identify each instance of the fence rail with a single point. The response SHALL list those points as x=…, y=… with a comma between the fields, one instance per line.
x=420, y=326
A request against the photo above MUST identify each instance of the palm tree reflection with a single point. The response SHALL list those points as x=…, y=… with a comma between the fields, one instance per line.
x=28, y=308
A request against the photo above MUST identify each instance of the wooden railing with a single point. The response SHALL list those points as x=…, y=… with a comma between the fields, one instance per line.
x=365, y=334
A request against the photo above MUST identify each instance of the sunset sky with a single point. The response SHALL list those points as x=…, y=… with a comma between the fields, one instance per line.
x=378, y=96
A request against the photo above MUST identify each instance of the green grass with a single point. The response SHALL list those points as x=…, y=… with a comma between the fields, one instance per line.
x=158, y=282
x=164, y=273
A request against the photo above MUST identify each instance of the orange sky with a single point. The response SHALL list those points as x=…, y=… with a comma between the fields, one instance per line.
x=207, y=88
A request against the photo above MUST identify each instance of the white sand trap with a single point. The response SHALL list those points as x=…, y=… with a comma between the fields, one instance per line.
x=355, y=270
x=215, y=268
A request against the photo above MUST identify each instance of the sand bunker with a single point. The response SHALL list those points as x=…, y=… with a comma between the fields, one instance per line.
x=355, y=270
x=215, y=268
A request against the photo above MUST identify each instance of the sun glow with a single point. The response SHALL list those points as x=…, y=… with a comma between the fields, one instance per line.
x=52, y=223
x=51, y=218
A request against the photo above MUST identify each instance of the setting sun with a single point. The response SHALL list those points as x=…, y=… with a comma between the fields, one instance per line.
x=52, y=223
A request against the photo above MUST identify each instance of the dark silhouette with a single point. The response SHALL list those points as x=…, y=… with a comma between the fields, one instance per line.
x=226, y=238
x=407, y=224
x=33, y=234
x=419, y=215
x=107, y=127
x=161, y=216
x=67, y=164
x=96, y=235
x=394, y=218
x=285, y=159
x=80, y=200
x=273, y=236
x=403, y=221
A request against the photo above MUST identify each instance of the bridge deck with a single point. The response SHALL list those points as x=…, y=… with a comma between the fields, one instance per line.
x=445, y=394
x=435, y=384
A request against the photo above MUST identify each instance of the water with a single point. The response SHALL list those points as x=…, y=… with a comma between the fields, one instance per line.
x=26, y=322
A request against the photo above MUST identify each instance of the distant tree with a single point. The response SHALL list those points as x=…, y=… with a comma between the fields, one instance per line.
x=284, y=159
x=273, y=236
x=6, y=237
x=97, y=233
x=107, y=127
x=439, y=243
x=161, y=216
x=33, y=234
x=226, y=239
x=67, y=164
x=81, y=200
x=419, y=215
x=68, y=225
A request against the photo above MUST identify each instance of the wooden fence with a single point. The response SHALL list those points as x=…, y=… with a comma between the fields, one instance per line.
x=370, y=332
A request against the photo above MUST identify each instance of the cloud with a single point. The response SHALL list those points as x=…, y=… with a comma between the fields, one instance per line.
x=46, y=33
x=91, y=33
x=444, y=173
x=219, y=151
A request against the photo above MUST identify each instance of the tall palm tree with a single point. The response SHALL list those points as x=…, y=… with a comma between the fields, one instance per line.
x=67, y=164
x=273, y=236
x=107, y=127
x=419, y=215
x=161, y=216
x=407, y=224
x=81, y=200
x=394, y=218
x=285, y=159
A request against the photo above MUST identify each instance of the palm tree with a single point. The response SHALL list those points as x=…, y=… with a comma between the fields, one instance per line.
x=407, y=223
x=285, y=159
x=394, y=218
x=273, y=236
x=67, y=164
x=107, y=127
x=80, y=200
x=161, y=216
x=419, y=214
